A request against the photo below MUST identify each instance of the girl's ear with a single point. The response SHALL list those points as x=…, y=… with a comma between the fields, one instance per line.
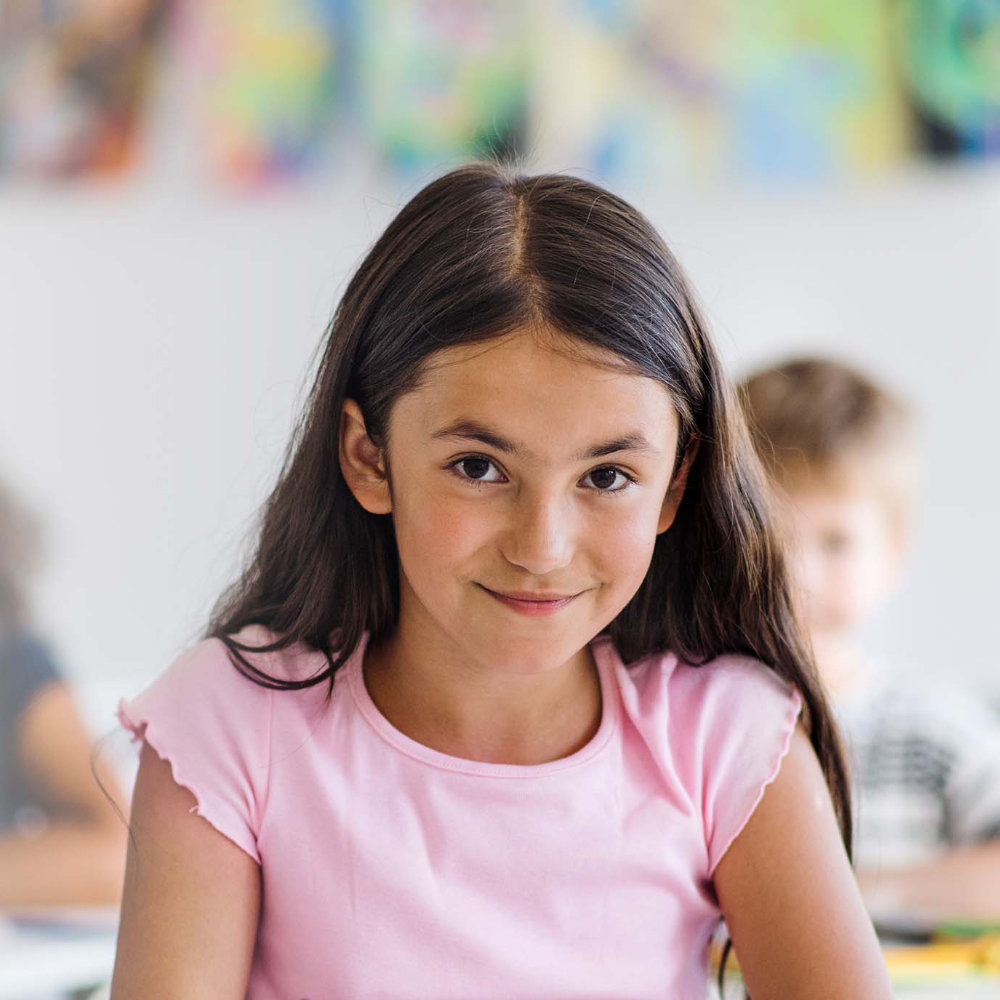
x=675, y=492
x=362, y=462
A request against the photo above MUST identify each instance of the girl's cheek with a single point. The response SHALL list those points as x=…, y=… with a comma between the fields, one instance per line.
x=441, y=526
x=624, y=544
x=633, y=527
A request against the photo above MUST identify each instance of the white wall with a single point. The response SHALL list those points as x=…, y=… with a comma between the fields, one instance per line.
x=155, y=339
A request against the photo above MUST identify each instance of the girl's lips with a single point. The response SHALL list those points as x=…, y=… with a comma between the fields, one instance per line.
x=531, y=605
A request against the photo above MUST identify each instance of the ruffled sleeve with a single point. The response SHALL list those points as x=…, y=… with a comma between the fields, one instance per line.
x=213, y=725
x=738, y=716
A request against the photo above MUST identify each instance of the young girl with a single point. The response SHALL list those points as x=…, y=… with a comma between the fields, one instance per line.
x=505, y=704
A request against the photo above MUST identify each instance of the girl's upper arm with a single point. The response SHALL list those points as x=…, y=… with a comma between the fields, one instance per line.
x=789, y=897
x=191, y=902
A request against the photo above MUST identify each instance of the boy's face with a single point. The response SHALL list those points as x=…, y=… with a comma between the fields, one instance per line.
x=519, y=470
x=846, y=550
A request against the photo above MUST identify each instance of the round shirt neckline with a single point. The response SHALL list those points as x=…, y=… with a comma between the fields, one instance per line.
x=604, y=657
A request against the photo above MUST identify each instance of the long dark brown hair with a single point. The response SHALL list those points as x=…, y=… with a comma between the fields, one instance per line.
x=482, y=252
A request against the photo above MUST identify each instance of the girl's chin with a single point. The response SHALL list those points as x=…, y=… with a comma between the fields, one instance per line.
x=527, y=655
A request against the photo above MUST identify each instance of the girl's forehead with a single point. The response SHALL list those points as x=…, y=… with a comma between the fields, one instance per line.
x=538, y=389
x=523, y=357
x=536, y=343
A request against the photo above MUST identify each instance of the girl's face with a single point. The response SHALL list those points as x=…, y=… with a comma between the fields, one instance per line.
x=528, y=486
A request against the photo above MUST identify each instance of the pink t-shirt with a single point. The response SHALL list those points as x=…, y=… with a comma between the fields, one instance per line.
x=393, y=871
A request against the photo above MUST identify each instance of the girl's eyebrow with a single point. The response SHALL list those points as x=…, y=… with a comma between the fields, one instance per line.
x=475, y=431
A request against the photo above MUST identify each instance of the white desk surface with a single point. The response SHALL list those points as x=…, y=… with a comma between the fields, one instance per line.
x=75, y=948
x=48, y=956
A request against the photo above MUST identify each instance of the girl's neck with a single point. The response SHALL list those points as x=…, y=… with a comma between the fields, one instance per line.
x=467, y=711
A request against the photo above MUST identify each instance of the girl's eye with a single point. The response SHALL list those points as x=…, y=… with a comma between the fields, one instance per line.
x=478, y=470
x=608, y=479
x=475, y=468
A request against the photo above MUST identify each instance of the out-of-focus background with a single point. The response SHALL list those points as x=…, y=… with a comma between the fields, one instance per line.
x=185, y=187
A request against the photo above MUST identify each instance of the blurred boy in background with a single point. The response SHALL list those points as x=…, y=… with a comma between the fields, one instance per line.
x=61, y=842
x=839, y=449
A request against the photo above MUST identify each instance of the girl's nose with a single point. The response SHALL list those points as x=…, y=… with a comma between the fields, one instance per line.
x=539, y=537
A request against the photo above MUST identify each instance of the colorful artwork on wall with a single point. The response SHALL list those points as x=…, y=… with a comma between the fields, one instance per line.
x=812, y=88
x=663, y=91
x=74, y=79
x=949, y=52
x=443, y=78
x=269, y=72
x=673, y=90
x=633, y=89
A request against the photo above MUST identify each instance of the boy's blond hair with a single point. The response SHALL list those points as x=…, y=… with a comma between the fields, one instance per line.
x=818, y=422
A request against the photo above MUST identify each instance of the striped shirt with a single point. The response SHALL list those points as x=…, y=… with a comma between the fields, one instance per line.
x=926, y=769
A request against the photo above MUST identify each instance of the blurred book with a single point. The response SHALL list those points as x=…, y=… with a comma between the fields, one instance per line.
x=944, y=961
x=939, y=962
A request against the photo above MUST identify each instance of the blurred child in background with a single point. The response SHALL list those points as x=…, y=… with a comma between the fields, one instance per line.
x=60, y=840
x=926, y=757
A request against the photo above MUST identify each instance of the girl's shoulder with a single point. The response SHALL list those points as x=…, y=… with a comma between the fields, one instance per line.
x=717, y=733
x=242, y=662
x=217, y=726
x=730, y=685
